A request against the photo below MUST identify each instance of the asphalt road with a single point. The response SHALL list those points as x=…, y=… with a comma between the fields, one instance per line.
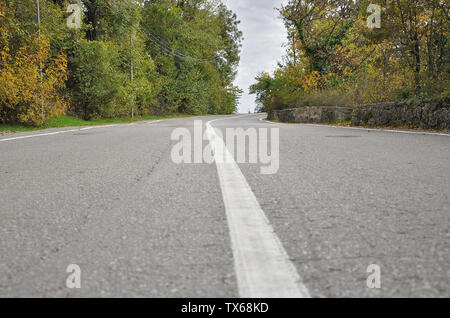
x=111, y=200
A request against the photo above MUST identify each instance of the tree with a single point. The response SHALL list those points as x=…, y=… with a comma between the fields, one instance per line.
x=27, y=95
x=129, y=57
x=339, y=60
x=32, y=77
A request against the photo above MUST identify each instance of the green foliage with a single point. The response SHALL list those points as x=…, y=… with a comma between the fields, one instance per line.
x=335, y=59
x=70, y=121
x=132, y=56
x=263, y=89
x=96, y=82
x=200, y=30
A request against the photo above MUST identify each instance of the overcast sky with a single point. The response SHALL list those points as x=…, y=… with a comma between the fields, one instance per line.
x=264, y=36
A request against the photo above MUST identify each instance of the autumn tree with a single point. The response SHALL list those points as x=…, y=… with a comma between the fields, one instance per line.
x=335, y=58
x=130, y=57
x=32, y=79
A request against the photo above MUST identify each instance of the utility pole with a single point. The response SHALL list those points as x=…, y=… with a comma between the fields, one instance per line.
x=131, y=62
x=294, y=48
x=131, y=70
x=38, y=20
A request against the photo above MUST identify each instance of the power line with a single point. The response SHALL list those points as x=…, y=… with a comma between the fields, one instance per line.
x=157, y=40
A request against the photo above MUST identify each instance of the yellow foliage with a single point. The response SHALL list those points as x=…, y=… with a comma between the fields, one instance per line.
x=31, y=83
x=297, y=77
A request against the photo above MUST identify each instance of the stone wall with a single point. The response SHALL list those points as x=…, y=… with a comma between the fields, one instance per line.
x=428, y=115
x=313, y=114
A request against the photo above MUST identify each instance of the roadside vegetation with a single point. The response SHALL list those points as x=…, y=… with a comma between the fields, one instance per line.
x=335, y=59
x=130, y=58
x=70, y=121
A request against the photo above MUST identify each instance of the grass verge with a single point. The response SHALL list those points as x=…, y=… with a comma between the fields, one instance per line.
x=69, y=121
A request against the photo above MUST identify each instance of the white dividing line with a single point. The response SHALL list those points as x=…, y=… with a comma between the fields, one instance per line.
x=262, y=266
x=73, y=130
x=384, y=130
x=426, y=133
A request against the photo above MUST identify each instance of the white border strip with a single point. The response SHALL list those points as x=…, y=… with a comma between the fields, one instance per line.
x=40, y=135
x=262, y=266
x=384, y=130
x=73, y=130
x=362, y=128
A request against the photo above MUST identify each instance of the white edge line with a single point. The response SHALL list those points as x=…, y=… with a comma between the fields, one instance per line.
x=362, y=128
x=74, y=130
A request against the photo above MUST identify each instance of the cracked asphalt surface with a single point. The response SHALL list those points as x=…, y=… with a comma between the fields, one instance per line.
x=112, y=201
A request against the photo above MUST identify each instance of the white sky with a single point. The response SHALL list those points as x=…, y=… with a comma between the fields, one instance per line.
x=262, y=48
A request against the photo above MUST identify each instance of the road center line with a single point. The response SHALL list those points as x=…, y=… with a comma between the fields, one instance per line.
x=262, y=266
